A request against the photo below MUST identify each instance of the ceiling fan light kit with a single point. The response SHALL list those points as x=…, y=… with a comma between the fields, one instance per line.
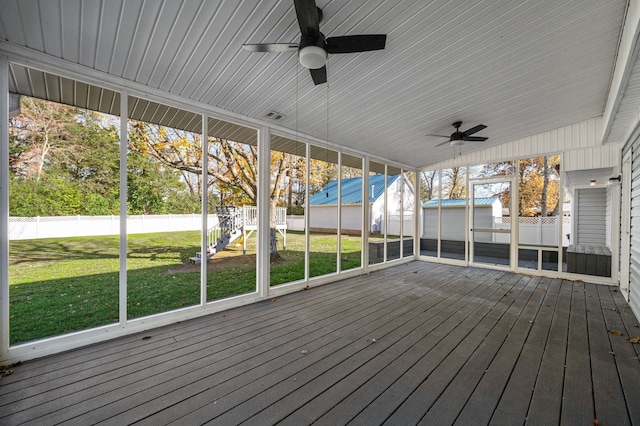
x=313, y=57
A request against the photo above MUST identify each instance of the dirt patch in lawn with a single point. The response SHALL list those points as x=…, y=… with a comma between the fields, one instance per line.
x=219, y=261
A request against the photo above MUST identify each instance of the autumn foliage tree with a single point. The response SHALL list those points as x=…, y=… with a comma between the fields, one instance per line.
x=538, y=184
x=62, y=161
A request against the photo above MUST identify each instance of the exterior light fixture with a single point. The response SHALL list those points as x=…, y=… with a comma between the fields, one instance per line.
x=313, y=57
x=456, y=142
x=593, y=182
x=615, y=179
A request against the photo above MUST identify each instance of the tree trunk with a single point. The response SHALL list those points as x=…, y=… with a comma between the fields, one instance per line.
x=545, y=186
x=274, y=256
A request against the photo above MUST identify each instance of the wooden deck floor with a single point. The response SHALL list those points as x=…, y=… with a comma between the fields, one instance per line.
x=418, y=343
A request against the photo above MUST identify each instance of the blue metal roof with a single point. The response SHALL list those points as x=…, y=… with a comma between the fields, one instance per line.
x=461, y=202
x=351, y=190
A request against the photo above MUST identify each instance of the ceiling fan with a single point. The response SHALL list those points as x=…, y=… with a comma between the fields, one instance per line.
x=458, y=138
x=313, y=47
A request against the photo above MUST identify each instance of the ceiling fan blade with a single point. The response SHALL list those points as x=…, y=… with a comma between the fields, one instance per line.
x=356, y=43
x=443, y=143
x=475, y=139
x=271, y=47
x=308, y=18
x=319, y=75
x=438, y=136
x=473, y=130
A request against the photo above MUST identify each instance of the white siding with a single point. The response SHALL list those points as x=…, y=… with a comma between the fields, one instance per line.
x=590, y=217
x=430, y=223
x=608, y=215
x=453, y=222
x=323, y=217
x=595, y=157
x=634, y=266
x=351, y=217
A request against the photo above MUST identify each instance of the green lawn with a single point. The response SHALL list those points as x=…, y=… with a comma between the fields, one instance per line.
x=68, y=284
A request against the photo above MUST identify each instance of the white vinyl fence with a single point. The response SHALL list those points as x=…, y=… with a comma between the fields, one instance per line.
x=295, y=223
x=26, y=228
x=535, y=231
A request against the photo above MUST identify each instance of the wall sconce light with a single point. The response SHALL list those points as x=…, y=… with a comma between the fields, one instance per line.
x=615, y=179
x=593, y=182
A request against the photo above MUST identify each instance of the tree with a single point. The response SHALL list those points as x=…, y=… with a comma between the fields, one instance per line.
x=232, y=166
x=538, y=184
x=63, y=161
x=427, y=188
x=39, y=132
x=454, y=183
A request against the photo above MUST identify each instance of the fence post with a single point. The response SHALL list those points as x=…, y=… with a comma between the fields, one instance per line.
x=540, y=229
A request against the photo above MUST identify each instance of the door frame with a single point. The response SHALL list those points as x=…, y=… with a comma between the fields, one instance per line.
x=512, y=231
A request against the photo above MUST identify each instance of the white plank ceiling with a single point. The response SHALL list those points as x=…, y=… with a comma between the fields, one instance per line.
x=520, y=67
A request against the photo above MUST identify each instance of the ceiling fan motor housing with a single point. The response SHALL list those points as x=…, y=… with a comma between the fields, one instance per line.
x=457, y=138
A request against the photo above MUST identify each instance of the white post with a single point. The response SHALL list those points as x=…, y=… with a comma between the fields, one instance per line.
x=385, y=213
x=417, y=213
x=204, y=246
x=4, y=206
x=245, y=215
x=401, y=213
x=124, y=137
x=339, y=218
x=264, y=234
x=307, y=212
x=366, y=225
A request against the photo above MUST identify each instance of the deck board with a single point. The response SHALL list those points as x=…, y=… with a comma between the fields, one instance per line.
x=577, y=395
x=607, y=390
x=352, y=393
x=453, y=345
x=516, y=397
x=624, y=353
x=453, y=399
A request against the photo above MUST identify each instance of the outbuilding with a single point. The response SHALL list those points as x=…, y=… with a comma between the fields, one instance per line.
x=324, y=206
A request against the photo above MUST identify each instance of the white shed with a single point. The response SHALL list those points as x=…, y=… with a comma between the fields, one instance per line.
x=486, y=209
x=323, y=212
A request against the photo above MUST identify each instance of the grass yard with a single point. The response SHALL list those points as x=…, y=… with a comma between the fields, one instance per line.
x=68, y=284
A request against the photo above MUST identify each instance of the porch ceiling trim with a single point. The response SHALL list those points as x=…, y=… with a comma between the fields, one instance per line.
x=623, y=71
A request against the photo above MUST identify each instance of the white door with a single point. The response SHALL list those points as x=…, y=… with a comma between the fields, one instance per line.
x=490, y=236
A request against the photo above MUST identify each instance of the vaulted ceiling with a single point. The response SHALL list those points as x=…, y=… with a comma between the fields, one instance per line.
x=519, y=67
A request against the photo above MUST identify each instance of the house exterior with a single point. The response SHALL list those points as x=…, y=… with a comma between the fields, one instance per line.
x=324, y=206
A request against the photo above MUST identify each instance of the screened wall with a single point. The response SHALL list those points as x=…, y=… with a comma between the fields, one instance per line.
x=128, y=213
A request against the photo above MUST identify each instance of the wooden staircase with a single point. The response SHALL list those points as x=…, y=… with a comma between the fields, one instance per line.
x=229, y=228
